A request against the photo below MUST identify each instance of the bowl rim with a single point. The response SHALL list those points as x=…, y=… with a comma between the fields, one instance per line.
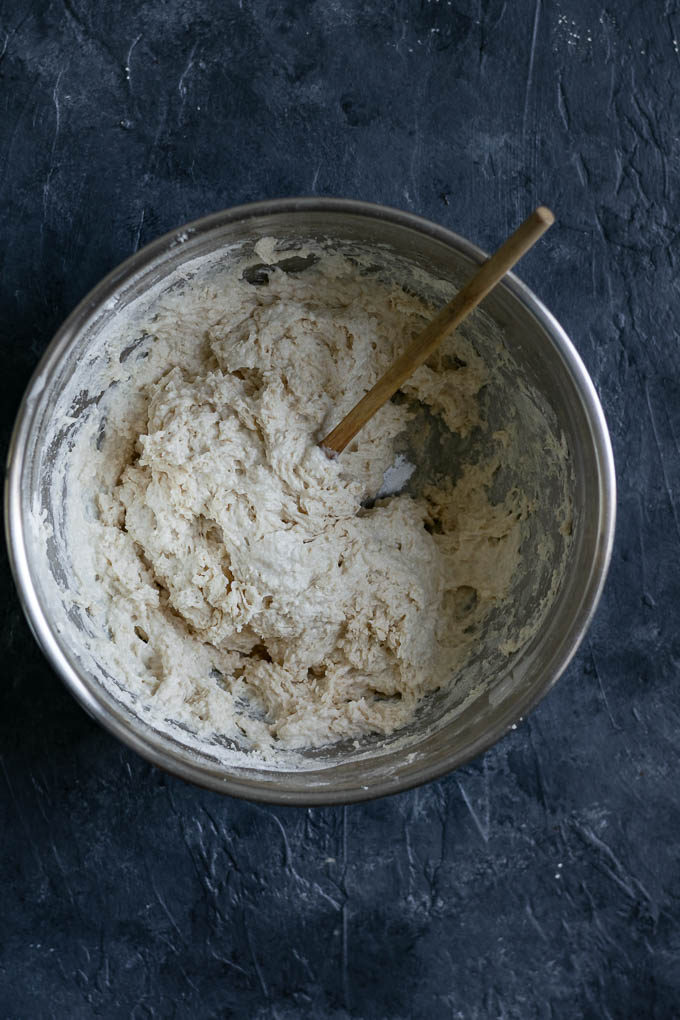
x=234, y=784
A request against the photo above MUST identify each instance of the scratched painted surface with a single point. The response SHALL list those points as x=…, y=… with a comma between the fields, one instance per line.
x=544, y=879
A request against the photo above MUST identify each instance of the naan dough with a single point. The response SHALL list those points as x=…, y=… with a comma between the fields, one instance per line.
x=247, y=587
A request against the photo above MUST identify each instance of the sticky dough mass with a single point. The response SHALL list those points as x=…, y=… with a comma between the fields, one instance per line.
x=250, y=587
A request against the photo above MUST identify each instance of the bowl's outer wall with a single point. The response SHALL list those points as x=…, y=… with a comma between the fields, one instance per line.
x=557, y=369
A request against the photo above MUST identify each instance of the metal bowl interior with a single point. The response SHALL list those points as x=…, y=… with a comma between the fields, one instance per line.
x=549, y=359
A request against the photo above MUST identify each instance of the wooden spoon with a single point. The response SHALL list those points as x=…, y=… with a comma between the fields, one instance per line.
x=450, y=317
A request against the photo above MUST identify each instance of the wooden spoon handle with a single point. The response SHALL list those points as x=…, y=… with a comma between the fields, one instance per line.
x=450, y=317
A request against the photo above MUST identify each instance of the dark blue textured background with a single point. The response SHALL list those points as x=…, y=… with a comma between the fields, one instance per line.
x=543, y=880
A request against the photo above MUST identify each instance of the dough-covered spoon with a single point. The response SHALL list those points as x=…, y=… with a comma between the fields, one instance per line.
x=419, y=350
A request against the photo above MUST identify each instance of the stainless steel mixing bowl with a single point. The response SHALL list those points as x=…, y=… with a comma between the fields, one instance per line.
x=547, y=354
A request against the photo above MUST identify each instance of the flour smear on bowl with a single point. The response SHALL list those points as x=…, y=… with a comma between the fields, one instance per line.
x=233, y=584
